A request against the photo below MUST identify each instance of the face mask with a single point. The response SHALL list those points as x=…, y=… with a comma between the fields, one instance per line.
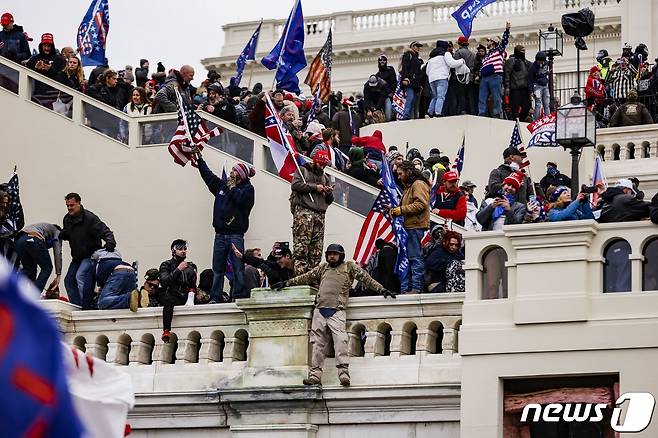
x=552, y=171
x=514, y=166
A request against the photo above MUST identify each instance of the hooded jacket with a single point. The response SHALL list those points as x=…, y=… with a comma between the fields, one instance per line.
x=387, y=73
x=301, y=190
x=165, y=98
x=537, y=75
x=15, y=46
x=439, y=65
x=374, y=96
x=141, y=73
x=620, y=207
x=410, y=65
x=516, y=71
x=84, y=233
x=57, y=62
x=372, y=142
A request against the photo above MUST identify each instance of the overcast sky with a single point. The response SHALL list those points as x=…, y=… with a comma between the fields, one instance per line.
x=175, y=32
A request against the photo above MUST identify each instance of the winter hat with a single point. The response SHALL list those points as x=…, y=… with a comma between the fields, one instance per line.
x=47, y=38
x=594, y=69
x=555, y=195
x=161, y=67
x=243, y=171
x=347, y=102
x=152, y=274
x=540, y=56
x=372, y=80
x=515, y=179
x=434, y=151
x=321, y=157
x=142, y=62
x=6, y=19
x=382, y=57
x=462, y=41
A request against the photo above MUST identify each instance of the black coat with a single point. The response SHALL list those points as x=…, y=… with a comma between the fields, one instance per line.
x=69, y=80
x=15, y=46
x=390, y=77
x=84, y=233
x=653, y=209
x=619, y=207
x=174, y=282
x=105, y=94
x=410, y=69
x=384, y=273
x=436, y=263
x=363, y=173
x=57, y=63
x=555, y=181
x=270, y=267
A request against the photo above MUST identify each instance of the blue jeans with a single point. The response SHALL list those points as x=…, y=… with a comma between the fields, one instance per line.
x=542, y=99
x=116, y=292
x=220, y=255
x=33, y=253
x=491, y=85
x=409, y=103
x=415, y=279
x=439, y=89
x=79, y=282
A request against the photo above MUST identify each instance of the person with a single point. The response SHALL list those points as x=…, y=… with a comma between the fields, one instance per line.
x=411, y=76
x=387, y=73
x=467, y=91
x=85, y=232
x=639, y=194
x=553, y=177
x=516, y=83
x=218, y=105
x=359, y=169
x=504, y=209
x=450, y=202
x=139, y=105
x=105, y=89
x=604, y=63
x=165, y=99
x=151, y=288
x=414, y=208
x=73, y=76
x=512, y=161
x=538, y=85
x=312, y=193
x=117, y=282
x=438, y=72
x=178, y=281
x=32, y=244
x=234, y=199
x=142, y=73
x=470, y=223
x=252, y=276
x=621, y=205
x=375, y=93
x=329, y=144
x=47, y=61
x=97, y=71
x=562, y=208
x=279, y=265
x=439, y=263
x=334, y=278
x=653, y=209
x=347, y=123
x=491, y=75
x=595, y=92
x=631, y=113
x=9, y=227
x=622, y=79
x=13, y=42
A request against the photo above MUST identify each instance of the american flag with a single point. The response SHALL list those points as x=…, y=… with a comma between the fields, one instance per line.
x=92, y=33
x=516, y=142
x=315, y=107
x=399, y=100
x=15, y=213
x=319, y=73
x=458, y=165
x=190, y=133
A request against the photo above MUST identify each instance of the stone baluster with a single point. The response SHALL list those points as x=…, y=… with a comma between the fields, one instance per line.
x=426, y=338
x=210, y=351
x=608, y=153
x=354, y=344
x=624, y=151
x=187, y=351
x=140, y=353
x=98, y=351
x=448, y=344
x=162, y=353
x=117, y=353
x=374, y=344
x=653, y=149
x=233, y=350
x=400, y=343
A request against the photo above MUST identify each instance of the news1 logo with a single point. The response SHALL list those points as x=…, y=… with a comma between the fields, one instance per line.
x=638, y=412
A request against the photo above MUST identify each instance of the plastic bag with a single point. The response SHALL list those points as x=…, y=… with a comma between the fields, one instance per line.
x=578, y=24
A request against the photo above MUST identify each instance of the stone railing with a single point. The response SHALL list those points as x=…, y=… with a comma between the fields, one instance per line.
x=627, y=143
x=578, y=4
x=443, y=11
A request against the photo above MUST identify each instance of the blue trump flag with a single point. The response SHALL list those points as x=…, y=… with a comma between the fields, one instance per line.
x=92, y=33
x=34, y=394
x=394, y=196
x=248, y=53
x=467, y=12
x=288, y=54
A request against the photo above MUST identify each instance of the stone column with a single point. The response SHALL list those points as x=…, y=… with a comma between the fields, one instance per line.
x=279, y=322
x=373, y=340
x=186, y=351
x=448, y=341
x=140, y=353
x=98, y=351
x=210, y=351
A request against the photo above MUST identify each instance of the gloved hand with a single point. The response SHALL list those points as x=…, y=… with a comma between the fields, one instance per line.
x=387, y=293
x=278, y=286
x=109, y=247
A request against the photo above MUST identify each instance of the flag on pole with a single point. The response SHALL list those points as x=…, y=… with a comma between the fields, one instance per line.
x=92, y=33
x=466, y=14
x=380, y=225
x=282, y=145
x=543, y=131
x=458, y=165
x=190, y=133
x=248, y=53
x=399, y=100
x=315, y=106
x=516, y=142
x=319, y=74
x=287, y=57
x=15, y=214
x=597, y=178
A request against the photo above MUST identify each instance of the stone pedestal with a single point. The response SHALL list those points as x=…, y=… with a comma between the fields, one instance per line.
x=279, y=322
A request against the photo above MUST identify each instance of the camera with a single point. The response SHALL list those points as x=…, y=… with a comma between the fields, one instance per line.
x=588, y=189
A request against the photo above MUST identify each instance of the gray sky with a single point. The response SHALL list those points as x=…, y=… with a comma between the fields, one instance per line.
x=172, y=31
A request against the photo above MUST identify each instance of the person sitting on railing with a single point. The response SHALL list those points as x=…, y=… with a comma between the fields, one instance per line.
x=218, y=105
x=562, y=208
x=621, y=205
x=47, y=61
x=504, y=208
x=13, y=42
x=631, y=113
x=73, y=75
x=165, y=99
x=439, y=261
x=178, y=279
x=117, y=282
x=151, y=288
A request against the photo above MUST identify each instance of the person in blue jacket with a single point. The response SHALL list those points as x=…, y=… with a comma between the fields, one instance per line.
x=234, y=199
x=565, y=209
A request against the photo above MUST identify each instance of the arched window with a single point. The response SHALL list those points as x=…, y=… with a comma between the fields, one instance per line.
x=617, y=267
x=650, y=265
x=494, y=274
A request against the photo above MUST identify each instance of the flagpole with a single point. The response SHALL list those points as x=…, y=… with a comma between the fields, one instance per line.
x=285, y=38
x=532, y=186
x=251, y=72
x=253, y=61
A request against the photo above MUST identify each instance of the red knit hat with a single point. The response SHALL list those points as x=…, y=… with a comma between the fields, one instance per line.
x=515, y=180
x=243, y=171
x=321, y=157
x=47, y=38
x=462, y=41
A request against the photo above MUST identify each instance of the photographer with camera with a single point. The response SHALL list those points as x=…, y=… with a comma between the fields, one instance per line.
x=504, y=208
x=178, y=281
x=563, y=208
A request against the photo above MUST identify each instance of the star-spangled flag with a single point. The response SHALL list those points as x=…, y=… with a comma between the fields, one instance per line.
x=248, y=53
x=399, y=100
x=467, y=12
x=282, y=145
x=315, y=106
x=191, y=133
x=92, y=33
x=515, y=141
x=458, y=165
x=15, y=212
x=319, y=74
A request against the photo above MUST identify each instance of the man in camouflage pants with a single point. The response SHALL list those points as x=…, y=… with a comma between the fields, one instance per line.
x=312, y=193
x=335, y=277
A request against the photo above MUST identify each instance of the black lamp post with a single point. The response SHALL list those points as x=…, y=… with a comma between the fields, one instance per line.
x=575, y=128
x=551, y=42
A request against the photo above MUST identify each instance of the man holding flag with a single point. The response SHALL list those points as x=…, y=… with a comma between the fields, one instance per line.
x=515, y=159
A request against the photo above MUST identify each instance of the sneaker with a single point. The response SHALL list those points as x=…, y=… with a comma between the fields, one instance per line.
x=144, y=300
x=134, y=300
x=344, y=379
x=165, y=336
x=311, y=380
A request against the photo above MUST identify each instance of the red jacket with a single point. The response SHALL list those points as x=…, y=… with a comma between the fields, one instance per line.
x=451, y=205
x=595, y=91
x=371, y=142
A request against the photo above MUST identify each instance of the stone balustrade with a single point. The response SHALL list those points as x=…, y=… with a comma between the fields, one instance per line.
x=628, y=142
